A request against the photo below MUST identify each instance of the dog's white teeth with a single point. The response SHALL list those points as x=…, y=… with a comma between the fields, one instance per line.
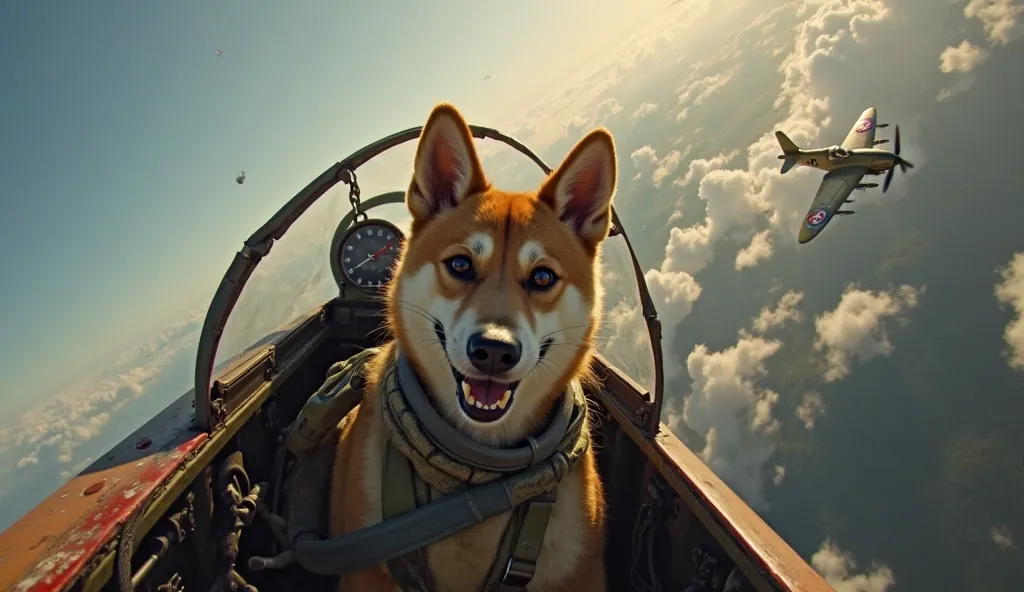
x=467, y=392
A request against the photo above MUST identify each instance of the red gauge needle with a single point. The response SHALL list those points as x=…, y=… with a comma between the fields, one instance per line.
x=380, y=251
x=373, y=256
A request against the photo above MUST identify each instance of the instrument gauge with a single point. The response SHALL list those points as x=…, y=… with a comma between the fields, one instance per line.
x=368, y=254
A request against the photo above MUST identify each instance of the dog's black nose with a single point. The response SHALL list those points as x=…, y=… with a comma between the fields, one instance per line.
x=493, y=354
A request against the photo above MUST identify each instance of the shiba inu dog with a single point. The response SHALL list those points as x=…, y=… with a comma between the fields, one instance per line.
x=495, y=301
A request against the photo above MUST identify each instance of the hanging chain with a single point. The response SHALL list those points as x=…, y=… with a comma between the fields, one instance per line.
x=349, y=178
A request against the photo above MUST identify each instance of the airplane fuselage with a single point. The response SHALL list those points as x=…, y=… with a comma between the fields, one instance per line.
x=835, y=157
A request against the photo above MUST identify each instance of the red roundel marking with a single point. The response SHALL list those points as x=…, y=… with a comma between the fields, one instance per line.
x=865, y=125
x=816, y=217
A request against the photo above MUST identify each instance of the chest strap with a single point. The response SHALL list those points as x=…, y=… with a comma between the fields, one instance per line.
x=515, y=562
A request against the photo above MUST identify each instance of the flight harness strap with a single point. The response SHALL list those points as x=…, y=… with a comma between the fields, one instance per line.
x=515, y=562
x=403, y=491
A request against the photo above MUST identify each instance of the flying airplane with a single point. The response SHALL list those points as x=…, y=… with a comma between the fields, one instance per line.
x=846, y=165
x=488, y=77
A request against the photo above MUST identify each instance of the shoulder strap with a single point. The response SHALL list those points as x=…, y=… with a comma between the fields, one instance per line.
x=516, y=561
x=400, y=493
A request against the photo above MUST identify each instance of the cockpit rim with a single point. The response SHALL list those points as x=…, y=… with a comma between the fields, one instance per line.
x=209, y=411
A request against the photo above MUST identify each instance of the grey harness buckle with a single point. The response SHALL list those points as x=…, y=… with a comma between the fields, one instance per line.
x=518, y=573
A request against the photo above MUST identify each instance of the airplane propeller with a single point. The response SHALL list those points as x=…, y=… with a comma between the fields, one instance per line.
x=903, y=164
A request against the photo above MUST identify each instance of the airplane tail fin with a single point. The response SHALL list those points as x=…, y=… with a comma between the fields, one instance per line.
x=790, y=151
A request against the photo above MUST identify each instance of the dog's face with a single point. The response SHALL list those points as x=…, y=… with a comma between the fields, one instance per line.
x=497, y=296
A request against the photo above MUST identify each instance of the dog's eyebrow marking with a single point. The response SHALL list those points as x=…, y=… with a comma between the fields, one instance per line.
x=480, y=244
x=530, y=253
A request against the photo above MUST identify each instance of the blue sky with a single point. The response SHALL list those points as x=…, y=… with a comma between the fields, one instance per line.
x=121, y=132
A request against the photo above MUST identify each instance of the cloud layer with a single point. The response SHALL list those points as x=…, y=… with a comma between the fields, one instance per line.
x=50, y=435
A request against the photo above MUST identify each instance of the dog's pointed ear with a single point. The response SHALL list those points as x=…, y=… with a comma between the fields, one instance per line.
x=581, y=189
x=446, y=169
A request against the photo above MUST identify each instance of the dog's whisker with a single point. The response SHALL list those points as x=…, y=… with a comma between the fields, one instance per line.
x=543, y=337
x=416, y=308
x=426, y=316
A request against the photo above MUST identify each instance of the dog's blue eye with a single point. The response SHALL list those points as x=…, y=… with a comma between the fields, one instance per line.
x=461, y=267
x=542, y=279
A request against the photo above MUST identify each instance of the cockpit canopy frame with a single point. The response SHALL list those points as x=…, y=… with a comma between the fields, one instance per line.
x=209, y=409
x=838, y=152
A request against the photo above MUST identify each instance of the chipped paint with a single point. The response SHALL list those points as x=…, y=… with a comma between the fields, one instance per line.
x=49, y=548
x=50, y=568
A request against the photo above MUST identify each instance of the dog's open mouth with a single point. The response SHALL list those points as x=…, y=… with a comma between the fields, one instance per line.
x=484, y=400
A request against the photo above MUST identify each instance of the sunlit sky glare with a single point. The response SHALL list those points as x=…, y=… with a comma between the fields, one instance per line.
x=122, y=131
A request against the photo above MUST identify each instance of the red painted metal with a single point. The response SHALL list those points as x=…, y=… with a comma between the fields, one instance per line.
x=50, y=547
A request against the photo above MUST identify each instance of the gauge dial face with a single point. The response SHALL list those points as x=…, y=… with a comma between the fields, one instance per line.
x=368, y=254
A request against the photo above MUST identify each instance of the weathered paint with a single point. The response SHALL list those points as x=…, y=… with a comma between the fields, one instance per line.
x=49, y=547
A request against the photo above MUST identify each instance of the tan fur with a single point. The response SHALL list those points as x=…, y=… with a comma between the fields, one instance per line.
x=506, y=235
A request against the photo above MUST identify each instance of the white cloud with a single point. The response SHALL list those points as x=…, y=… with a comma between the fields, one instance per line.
x=1002, y=538
x=958, y=88
x=694, y=92
x=702, y=166
x=838, y=569
x=674, y=294
x=646, y=158
x=644, y=110
x=729, y=203
x=812, y=406
x=624, y=332
x=857, y=326
x=778, y=474
x=759, y=249
x=698, y=87
x=29, y=460
x=733, y=413
x=999, y=17
x=962, y=58
x=665, y=167
x=596, y=115
x=1011, y=292
x=786, y=310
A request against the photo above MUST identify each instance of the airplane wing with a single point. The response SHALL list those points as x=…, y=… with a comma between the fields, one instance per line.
x=835, y=187
x=862, y=134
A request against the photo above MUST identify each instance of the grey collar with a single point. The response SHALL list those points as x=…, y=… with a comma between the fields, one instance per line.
x=567, y=422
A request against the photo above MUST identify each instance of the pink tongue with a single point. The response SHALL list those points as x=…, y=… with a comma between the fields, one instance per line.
x=486, y=391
